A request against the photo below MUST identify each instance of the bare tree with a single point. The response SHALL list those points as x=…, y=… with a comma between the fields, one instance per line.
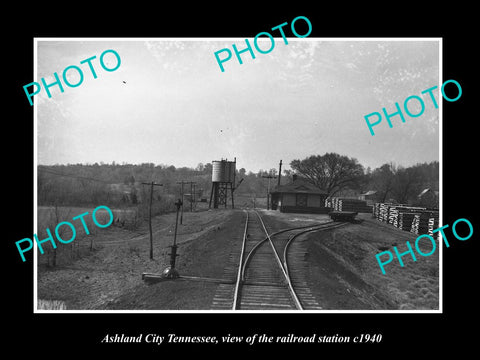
x=405, y=183
x=383, y=180
x=330, y=172
x=56, y=216
x=45, y=187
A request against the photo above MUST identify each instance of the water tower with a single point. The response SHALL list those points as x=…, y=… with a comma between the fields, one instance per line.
x=223, y=181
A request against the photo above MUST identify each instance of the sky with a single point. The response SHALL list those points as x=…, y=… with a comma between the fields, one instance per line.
x=169, y=103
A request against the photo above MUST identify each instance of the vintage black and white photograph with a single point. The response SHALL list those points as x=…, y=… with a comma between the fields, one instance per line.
x=225, y=175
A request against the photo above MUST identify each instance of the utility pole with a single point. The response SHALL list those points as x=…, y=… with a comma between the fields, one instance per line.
x=279, y=172
x=152, y=184
x=182, y=199
x=191, y=196
x=173, y=254
x=268, y=188
x=194, y=200
x=181, y=205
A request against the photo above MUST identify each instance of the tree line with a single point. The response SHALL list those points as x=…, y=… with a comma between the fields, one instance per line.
x=119, y=185
x=341, y=175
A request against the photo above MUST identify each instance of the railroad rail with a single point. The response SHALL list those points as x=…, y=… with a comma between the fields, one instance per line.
x=270, y=270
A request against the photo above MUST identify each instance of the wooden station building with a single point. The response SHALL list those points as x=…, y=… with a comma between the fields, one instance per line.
x=299, y=196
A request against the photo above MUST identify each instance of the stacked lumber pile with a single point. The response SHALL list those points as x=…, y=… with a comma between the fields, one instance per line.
x=405, y=220
x=425, y=223
x=330, y=202
x=417, y=220
x=393, y=216
x=346, y=204
x=380, y=211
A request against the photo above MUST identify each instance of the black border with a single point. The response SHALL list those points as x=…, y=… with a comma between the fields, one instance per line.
x=401, y=332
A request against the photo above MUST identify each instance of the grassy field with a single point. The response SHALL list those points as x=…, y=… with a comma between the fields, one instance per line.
x=83, y=244
x=120, y=256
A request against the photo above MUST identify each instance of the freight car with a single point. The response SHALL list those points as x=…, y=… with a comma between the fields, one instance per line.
x=343, y=215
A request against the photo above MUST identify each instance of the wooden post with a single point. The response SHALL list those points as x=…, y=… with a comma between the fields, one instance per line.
x=279, y=172
x=181, y=216
x=173, y=254
x=191, y=196
x=268, y=188
x=150, y=215
x=268, y=194
x=182, y=197
x=211, y=196
x=150, y=221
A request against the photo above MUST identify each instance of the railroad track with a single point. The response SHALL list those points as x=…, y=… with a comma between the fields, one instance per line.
x=269, y=271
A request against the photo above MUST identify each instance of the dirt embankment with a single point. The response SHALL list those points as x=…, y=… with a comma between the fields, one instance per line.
x=343, y=271
x=205, y=256
x=346, y=275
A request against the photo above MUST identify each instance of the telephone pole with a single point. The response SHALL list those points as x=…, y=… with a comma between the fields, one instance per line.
x=191, y=196
x=173, y=254
x=194, y=196
x=152, y=184
x=279, y=172
x=182, y=199
x=268, y=188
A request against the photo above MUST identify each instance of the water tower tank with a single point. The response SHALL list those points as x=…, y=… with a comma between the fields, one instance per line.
x=218, y=171
x=223, y=179
x=230, y=171
x=223, y=171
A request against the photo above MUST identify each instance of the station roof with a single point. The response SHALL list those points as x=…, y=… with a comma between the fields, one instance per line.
x=298, y=186
x=426, y=191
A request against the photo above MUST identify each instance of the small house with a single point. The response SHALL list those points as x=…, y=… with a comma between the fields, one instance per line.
x=428, y=198
x=370, y=197
x=299, y=196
